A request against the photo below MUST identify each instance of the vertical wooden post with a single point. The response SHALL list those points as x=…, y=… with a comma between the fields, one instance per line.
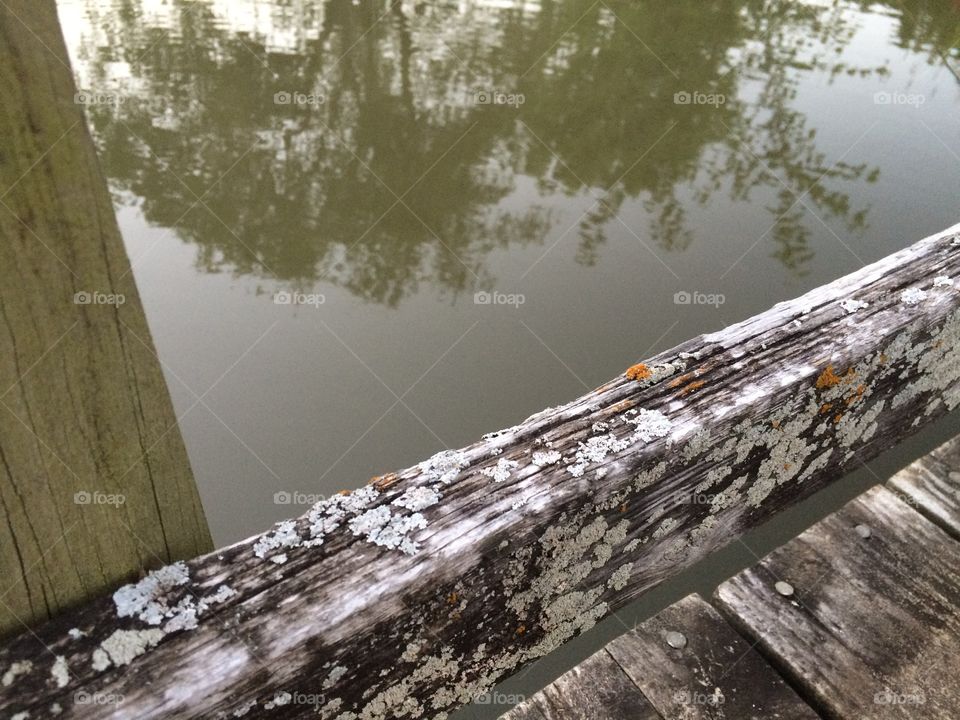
x=95, y=484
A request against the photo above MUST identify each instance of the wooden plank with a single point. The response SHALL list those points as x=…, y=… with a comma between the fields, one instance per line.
x=691, y=664
x=932, y=486
x=416, y=594
x=597, y=688
x=872, y=629
x=95, y=484
x=525, y=711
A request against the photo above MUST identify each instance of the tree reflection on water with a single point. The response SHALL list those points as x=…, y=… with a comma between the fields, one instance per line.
x=389, y=174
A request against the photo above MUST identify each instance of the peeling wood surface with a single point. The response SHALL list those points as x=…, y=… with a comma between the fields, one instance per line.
x=872, y=629
x=95, y=484
x=597, y=688
x=415, y=594
x=716, y=674
x=932, y=486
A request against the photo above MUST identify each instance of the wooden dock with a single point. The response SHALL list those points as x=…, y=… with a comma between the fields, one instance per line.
x=858, y=617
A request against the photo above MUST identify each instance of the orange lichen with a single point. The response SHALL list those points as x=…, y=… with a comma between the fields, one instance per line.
x=639, y=372
x=382, y=482
x=787, y=466
x=775, y=423
x=452, y=598
x=692, y=387
x=837, y=418
x=828, y=378
x=623, y=508
x=677, y=382
x=883, y=358
x=825, y=408
x=861, y=388
x=521, y=630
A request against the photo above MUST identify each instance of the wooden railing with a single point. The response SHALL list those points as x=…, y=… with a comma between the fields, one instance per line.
x=414, y=594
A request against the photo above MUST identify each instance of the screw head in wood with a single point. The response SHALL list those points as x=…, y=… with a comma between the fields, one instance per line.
x=784, y=588
x=676, y=640
x=863, y=531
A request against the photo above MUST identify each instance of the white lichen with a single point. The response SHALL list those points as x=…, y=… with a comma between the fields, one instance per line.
x=851, y=306
x=334, y=676
x=59, y=671
x=418, y=498
x=550, y=457
x=444, y=466
x=76, y=633
x=943, y=281
x=284, y=536
x=279, y=700
x=501, y=471
x=124, y=645
x=222, y=593
x=21, y=667
x=100, y=661
x=913, y=296
x=147, y=599
x=327, y=515
x=379, y=526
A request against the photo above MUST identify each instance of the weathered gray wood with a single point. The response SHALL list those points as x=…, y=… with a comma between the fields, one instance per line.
x=525, y=711
x=932, y=486
x=716, y=674
x=528, y=537
x=95, y=484
x=873, y=627
x=596, y=688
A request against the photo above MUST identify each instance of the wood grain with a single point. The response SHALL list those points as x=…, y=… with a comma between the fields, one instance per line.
x=596, y=688
x=931, y=485
x=873, y=628
x=95, y=484
x=715, y=675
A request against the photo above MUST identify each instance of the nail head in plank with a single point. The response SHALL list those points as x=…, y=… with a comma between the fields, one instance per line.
x=873, y=630
x=715, y=674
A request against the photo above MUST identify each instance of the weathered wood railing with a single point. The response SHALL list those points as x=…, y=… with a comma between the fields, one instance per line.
x=409, y=597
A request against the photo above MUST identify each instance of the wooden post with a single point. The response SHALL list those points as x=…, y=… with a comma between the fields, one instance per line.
x=95, y=484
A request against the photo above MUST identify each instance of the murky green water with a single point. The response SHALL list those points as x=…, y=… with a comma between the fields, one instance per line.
x=313, y=195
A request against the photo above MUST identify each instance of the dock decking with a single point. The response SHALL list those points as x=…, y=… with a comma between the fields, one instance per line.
x=858, y=617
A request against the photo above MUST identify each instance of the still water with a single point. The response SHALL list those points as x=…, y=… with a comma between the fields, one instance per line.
x=365, y=232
